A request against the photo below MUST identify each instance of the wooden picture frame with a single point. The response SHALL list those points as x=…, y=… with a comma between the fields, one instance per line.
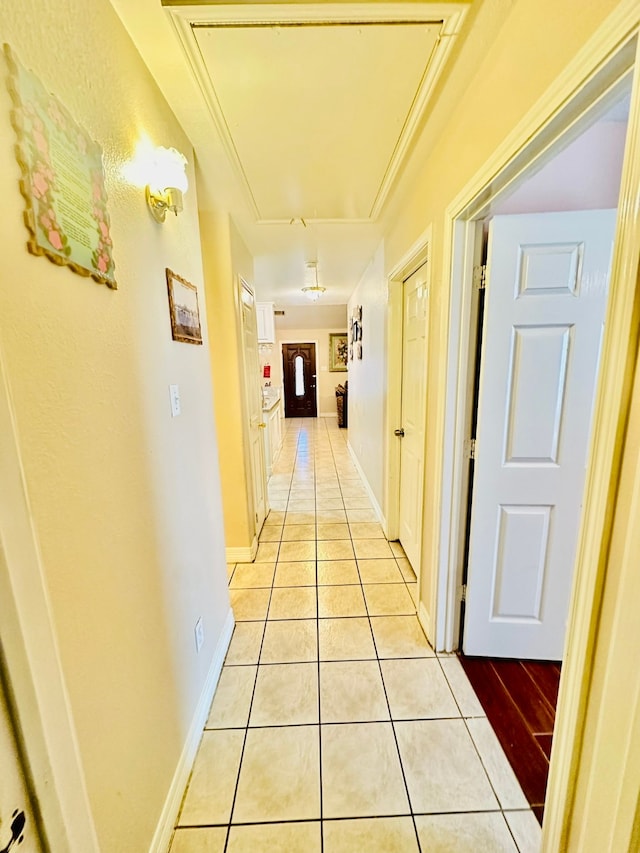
x=338, y=351
x=183, y=309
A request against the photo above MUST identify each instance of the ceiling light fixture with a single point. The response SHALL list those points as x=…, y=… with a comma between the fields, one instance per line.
x=312, y=290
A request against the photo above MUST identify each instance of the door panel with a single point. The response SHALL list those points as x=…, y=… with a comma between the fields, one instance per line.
x=414, y=372
x=547, y=279
x=254, y=404
x=299, y=372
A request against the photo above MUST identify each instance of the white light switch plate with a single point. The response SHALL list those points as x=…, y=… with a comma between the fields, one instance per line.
x=174, y=392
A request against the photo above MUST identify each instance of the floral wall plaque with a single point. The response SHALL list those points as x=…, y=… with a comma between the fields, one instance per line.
x=62, y=180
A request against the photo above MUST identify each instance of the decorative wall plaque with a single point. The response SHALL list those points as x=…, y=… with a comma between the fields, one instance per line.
x=62, y=180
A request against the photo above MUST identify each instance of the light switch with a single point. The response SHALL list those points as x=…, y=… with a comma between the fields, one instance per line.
x=174, y=392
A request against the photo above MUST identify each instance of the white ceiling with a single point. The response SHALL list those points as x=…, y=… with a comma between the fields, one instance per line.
x=301, y=116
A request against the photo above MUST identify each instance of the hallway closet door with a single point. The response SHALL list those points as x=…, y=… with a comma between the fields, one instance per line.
x=253, y=397
x=414, y=393
x=547, y=281
x=299, y=372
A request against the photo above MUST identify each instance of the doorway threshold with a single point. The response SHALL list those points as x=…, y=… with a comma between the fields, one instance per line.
x=519, y=698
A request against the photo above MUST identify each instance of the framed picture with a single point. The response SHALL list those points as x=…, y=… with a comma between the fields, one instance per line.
x=62, y=180
x=183, y=308
x=359, y=349
x=338, y=351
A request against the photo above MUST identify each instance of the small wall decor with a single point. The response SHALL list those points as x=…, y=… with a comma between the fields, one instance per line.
x=338, y=351
x=62, y=180
x=183, y=307
x=355, y=332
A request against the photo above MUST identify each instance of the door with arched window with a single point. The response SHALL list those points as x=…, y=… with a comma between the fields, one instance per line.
x=299, y=371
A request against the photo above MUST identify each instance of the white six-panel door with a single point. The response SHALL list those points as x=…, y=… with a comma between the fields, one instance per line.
x=414, y=372
x=254, y=403
x=547, y=278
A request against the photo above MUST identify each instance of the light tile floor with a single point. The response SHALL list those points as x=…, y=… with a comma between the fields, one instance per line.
x=334, y=726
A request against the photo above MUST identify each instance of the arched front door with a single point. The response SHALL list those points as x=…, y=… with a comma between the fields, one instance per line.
x=299, y=370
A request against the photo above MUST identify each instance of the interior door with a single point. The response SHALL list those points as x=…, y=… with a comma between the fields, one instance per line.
x=254, y=403
x=299, y=372
x=414, y=388
x=547, y=280
x=17, y=826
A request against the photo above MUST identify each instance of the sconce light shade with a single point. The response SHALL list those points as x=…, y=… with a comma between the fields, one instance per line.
x=167, y=183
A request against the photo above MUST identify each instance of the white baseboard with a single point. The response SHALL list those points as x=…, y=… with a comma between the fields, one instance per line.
x=424, y=618
x=243, y=555
x=328, y=415
x=365, y=482
x=166, y=823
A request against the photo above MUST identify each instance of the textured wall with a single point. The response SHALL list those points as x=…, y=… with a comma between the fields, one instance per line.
x=126, y=500
x=368, y=377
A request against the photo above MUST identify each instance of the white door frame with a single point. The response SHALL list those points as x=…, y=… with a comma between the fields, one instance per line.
x=31, y=662
x=587, y=84
x=248, y=457
x=287, y=340
x=411, y=261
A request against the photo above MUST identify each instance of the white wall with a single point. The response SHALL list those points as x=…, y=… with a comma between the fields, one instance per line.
x=367, y=377
x=583, y=176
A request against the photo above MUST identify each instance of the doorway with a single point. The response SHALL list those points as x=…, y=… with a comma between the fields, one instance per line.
x=299, y=378
x=253, y=402
x=415, y=325
x=477, y=203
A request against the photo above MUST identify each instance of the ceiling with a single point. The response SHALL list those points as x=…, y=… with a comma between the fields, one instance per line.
x=301, y=115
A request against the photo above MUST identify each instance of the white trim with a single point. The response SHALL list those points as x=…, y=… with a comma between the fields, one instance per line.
x=365, y=482
x=169, y=814
x=424, y=617
x=449, y=16
x=533, y=138
x=572, y=87
x=31, y=653
x=296, y=340
x=329, y=415
x=417, y=255
x=620, y=340
x=243, y=555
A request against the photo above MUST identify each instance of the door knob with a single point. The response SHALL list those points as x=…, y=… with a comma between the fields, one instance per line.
x=399, y=433
x=262, y=426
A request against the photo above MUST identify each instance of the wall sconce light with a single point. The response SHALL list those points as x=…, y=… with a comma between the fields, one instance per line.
x=167, y=183
x=312, y=290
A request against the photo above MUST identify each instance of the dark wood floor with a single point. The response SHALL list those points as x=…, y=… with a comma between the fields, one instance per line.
x=519, y=698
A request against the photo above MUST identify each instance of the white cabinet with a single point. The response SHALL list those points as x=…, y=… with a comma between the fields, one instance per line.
x=272, y=432
x=266, y=323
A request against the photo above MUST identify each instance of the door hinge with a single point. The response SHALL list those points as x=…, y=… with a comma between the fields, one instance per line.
x=470, y=448
x=463, y=592
x=480, y=277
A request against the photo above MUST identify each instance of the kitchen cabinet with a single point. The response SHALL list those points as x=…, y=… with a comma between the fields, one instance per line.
x=266, y=323
x=272, y=430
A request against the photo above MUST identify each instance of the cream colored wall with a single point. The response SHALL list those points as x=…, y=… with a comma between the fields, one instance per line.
x=225, y=257
x=326, y=380
x=508, y=55
x=125, y=500
x=367, y=377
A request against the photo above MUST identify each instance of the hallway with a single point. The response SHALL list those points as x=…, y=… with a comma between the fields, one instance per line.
x=335, y=727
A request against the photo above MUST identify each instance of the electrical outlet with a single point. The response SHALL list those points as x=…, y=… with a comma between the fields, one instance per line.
x=199, y=632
